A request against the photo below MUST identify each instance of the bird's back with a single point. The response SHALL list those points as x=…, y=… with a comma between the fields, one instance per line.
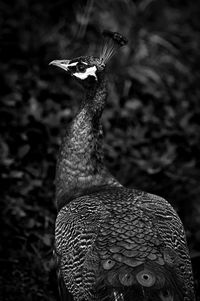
x=122, y=244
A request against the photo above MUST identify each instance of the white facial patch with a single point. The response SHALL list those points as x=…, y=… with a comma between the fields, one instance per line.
x=91, y=71
x=72, y=64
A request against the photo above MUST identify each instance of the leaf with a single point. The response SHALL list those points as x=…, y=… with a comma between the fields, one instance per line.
x=144, y=73
x=133, y=104
x=23, y=150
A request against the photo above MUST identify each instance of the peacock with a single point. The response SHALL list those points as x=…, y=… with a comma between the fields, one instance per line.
x=111, y=243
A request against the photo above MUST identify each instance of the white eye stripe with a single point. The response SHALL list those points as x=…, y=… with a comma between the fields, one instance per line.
x=72, y=64
x=75, y=63
x=89, y=72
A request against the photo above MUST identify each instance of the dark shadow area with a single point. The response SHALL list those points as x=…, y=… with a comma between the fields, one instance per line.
x=151, y=121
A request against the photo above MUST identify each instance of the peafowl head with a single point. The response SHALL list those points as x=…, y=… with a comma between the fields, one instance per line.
x=88, y=69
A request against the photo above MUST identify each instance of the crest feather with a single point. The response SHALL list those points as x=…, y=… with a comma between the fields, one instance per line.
x=112, y=42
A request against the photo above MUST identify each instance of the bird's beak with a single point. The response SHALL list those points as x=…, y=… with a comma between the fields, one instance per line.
x=61, y=63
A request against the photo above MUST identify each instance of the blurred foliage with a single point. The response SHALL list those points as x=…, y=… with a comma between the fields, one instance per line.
x=151, y=122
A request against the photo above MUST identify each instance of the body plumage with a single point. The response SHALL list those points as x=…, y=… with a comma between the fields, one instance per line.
x=111, y=243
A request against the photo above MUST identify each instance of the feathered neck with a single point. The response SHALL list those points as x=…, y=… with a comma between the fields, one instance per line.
x=80, y=165
x=95, y=99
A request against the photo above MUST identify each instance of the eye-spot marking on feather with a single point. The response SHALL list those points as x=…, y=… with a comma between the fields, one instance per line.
x=166, y=296
x=91, y=71
x=108, y=264
x=146, y=278
x=126, y=279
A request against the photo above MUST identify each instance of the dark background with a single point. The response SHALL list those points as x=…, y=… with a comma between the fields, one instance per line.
x=151, y=122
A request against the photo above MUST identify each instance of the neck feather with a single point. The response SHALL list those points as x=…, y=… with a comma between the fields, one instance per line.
x=80, y=163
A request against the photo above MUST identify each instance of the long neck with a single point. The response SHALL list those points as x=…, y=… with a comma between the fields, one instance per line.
x=80, y=163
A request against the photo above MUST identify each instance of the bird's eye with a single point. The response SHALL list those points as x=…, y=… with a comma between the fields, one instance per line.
x=81, y=67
